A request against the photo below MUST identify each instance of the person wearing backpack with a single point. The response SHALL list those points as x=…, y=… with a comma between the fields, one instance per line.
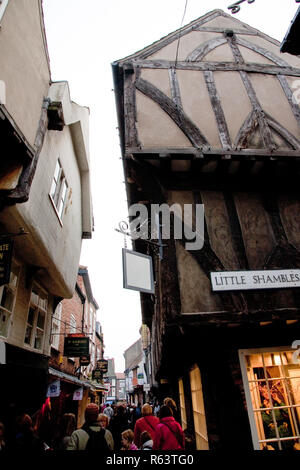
x=91, y=436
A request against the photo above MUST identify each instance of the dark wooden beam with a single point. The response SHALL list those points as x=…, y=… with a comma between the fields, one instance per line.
x=250, y=67
x=176, y=114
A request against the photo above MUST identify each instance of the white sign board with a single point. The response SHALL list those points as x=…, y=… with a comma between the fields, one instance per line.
x=137, y=271
x=146, y=388
x=245, y=280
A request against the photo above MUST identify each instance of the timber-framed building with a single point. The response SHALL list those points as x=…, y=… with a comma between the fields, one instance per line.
x=209, y=115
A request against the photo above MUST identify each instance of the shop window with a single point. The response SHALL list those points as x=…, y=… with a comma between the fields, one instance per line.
x=272, y=385
x=59, y=189
x=198, y=409
x=36, y=320
x=8, y=294
x=182, y=404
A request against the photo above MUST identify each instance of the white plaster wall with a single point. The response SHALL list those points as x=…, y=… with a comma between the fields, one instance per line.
x=23, y=64
x=50, y=245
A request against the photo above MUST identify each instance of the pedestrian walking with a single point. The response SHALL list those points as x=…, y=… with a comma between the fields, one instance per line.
x=136, y=414
x=108, y=411
x=26, y=438
x=117, y=424
x=104, y=421
x=146, y=441
x=171, y=404
x=156, y=408
x=168, y=433
x=148, y=422
x=91, y=436
x=127, y=440
x=65, y=430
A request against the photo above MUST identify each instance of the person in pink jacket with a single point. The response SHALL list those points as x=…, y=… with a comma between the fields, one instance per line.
x=148, y=422
x=168, y=433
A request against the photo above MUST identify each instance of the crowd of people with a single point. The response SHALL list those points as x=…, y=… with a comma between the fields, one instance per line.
x=108, y=428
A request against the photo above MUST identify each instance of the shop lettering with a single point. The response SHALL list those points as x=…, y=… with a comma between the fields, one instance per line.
x=230, y=280
x=4, y=247
x=242, y=280
x=272, y=279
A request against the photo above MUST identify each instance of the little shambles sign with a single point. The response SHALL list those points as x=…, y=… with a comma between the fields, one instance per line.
x=246, y=280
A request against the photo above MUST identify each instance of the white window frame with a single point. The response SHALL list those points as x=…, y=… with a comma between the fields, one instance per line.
x=15, y=269
x=182, y=403
x=56, y=196
x=198, y=409
x=56, y=327
x=38, y=308
x=251, y=413
x=3, y=6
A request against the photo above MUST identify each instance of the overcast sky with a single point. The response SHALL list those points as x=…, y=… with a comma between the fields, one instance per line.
x=84, y=38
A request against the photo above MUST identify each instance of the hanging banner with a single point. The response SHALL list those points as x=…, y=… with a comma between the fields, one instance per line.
x=54, y=389
x=78, y=394
x=6, y=249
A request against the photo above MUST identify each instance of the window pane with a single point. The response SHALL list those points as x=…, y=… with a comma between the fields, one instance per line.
x=41, y=320
x=34, y=298
x=28, y=334
x=31, y=316
x=274, y=389
x=38, y=343
x=4, y=322
x=7, y=300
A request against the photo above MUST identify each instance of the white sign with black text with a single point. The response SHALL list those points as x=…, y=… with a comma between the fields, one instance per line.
x=263, y=279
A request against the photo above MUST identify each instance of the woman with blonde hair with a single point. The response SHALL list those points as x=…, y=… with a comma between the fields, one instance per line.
x=103, y=420
x=127, y=440
x=148, y=422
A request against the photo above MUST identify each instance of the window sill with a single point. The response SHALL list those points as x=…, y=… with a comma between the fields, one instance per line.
x=55, y=210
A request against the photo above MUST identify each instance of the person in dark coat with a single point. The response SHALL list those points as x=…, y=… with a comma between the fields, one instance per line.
x=168, y=433
x=117, y=424
x=26, y=438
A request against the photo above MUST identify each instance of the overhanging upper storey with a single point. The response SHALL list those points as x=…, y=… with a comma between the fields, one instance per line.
x=213, y=95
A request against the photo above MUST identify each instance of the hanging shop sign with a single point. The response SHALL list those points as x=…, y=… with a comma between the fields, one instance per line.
x=76, y=345
x=137, y=271
x=97, y=374
x=102, y=364
x=146, y=388
x=78, y=394
x=85, y=360
x=6, y=249
x=263, y=279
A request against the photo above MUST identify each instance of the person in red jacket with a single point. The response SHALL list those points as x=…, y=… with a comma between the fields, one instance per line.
x=168, y=433
x=148, y=422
